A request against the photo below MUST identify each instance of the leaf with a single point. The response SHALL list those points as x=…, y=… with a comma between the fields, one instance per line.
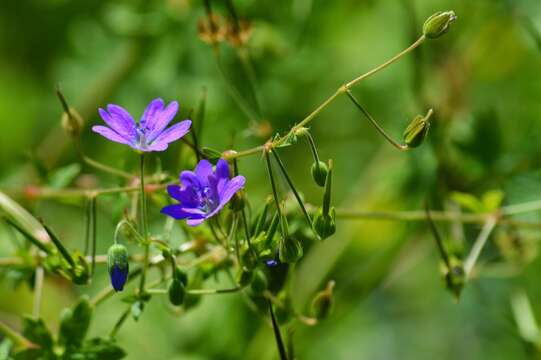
x=492, y=200
x=75, y=323
x=23, y=218
x=210, y=154
x=99, y=349
x=32, y=354
x=467, y=201
x=36, y=331
x=64, y=176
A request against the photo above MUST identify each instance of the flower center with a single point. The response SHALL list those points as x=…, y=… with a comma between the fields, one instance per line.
x=141, y=139
x=206, y=201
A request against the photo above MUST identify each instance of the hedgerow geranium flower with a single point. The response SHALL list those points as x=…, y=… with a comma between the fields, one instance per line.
x=203, y=193
x=150, y=134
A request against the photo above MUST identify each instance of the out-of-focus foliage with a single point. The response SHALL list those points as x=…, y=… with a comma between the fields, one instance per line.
x=483, y=80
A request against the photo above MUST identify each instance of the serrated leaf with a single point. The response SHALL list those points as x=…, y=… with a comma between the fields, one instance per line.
x=64, y=176
x=75, y=323
x=36, y=331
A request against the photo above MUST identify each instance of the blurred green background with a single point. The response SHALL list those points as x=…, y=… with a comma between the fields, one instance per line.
x=483, y=80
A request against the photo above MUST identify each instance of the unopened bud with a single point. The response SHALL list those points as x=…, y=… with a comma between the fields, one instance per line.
x=325, y=224
x=438, y=24
x=81, y=271
x=455, y=277
x=417, y=130
x=290, y=250
x=118, y=266
x=181, y=276
x=176, y=292
x=319, y=172
x=323, y=302
x=72, y=123
x=237, y=202
x=244, y=277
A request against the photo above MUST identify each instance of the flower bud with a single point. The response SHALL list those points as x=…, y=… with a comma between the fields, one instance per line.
x=118, y=266
x=176, y=292
x=290, y=250
x=81, y=271
x=323, y=302
x=259, y=283
x=417, y=130
x=438, y=24
x=237, y=202
x=319, y=172
x=72, y=123
x=325, y=224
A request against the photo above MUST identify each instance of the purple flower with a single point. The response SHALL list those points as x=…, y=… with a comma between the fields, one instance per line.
x=150, y=134
x=203, y=193
x=118, y=277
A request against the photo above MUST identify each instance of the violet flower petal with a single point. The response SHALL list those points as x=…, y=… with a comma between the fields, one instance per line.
x=203, y=170
x=151, y=113
x=222, y=169
x=162, y=119
x=109, y=134
x=171, y=134
x=121, y=121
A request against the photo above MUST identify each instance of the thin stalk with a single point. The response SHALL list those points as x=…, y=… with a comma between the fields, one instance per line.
x=478, y=245
x=93, y=205
x=397, y=145
x=275, y=194
x=144, y=225
x=18, y=339
x=61, y=248
x=38, y=291
x=277, y=334
x=312, y=146
x=29, y=236
x=437, y=237
x=88, y=221
x=120, y=322
x=292, y=187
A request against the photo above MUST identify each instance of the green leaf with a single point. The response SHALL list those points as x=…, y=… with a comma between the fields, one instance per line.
x=99, y=349
x=36, y=331
x=74, y=323
x=467, y=201
x=32, y=354
x=492, y=200
x=64, y=176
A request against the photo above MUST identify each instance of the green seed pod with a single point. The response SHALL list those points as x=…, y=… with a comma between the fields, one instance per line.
x=237, y=201
x=325, y=225
x=290, y=250
x=417, y=130
x=118, y=266
x=244, y=277
x=438, y=24
x=319, y=172
x=259, y=283
x=72, y=123
x=322, y=304
x=176, y=292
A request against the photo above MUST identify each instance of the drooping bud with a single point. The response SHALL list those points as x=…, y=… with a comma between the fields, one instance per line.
x=259, y=283
x=417, y=130
x=118, y=266
x=455, y=276
x=323, y=302
x=176, y=292
x=238, y=201
x=290, y=250
x=325, y=224
x=181, y=276
x=244, y=277
x=438, y=24
x=72, y=123
x=319, y=172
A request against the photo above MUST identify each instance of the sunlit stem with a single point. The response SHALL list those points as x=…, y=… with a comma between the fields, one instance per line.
x=478, y=245
x=342, y=89
x=144, y=225
x=292, y=187
x=312, y=146
x=126, y=223
x=375, y=123
x=19, y=340
x=88, y=223
x=61, y=248
x=94, y=216
x=524, y=316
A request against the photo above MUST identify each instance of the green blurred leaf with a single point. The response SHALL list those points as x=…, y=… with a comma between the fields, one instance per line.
x=64, y=176
x=36, y=331
x=75, y=323
x=467, y=201
x=99, y=349
x=492, y=200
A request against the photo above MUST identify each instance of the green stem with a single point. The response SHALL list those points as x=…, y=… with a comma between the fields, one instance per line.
x=93, y=205
x=312, y=146
x=29, y=236
x=277, y=335
x=292, y=187
x=120, y=322
x=375, y=123
x=18, y=339
x=480, y=242
x=61, y=248
x=144, y=225
x=437, y=237
x=275, y=194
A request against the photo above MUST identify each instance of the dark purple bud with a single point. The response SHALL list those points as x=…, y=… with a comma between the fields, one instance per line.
x=118, y=266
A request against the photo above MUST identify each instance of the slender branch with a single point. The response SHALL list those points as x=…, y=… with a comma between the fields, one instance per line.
x=38, y=290
x=277, y=335
x=14, y=336
x=479, y=244
x=144, y=225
